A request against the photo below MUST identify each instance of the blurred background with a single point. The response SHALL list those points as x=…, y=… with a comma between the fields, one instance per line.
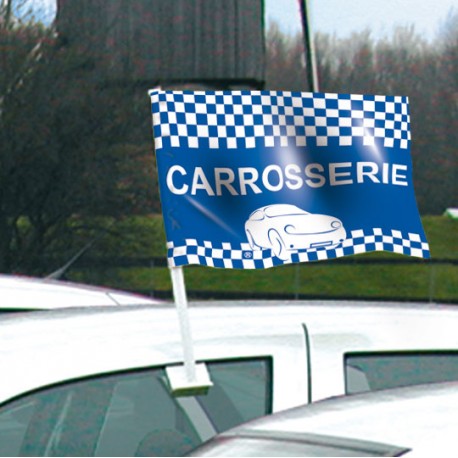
x=78, y=184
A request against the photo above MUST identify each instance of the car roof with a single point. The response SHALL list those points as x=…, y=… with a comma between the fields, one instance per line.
x=42, y=348
x=30, y=293
x=419, y=418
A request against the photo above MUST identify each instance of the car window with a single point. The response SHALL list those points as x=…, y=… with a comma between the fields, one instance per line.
x=133, y=413
x=281, y=210
x=257, y=216
x=369, y=371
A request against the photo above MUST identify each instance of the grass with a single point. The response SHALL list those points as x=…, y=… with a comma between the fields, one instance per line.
x=419, y=281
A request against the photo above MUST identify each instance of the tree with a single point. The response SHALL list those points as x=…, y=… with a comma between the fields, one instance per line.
x=71, y=151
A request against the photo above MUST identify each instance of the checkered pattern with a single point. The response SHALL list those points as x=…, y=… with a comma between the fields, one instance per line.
x=248, y=119
x=242, y=257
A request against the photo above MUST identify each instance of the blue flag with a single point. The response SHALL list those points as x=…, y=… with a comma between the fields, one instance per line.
x=258, y=179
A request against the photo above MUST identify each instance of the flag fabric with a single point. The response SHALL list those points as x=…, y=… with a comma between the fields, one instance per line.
x=256, y=179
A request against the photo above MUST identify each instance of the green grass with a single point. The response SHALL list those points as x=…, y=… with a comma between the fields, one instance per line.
x=425, y=281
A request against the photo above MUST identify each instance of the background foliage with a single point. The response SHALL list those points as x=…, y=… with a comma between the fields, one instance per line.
x=76, y=157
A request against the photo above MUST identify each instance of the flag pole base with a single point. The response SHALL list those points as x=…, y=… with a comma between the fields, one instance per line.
x=180, y=385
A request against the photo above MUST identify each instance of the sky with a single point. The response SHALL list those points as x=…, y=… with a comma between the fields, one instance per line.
x=342, y=17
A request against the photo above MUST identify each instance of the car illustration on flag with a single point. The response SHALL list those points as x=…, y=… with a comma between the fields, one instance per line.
x=285, y=229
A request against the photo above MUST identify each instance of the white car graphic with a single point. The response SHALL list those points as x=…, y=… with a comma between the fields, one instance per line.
x=286, y=229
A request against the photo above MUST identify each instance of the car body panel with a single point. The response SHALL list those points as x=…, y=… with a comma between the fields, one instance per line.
x=44, y=348
x=29, y=293
x=421, y=420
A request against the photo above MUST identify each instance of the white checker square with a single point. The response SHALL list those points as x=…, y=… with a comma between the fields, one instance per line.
x=201, y=108
x=202, y=131
x=322, y=141
x=345, y=122
x=368, y=122
x=217, y=253
x=333, y=131
x=229, y=120
x=248, y=264
x=239, y=131
x=319, y=103
x=358, y=249
x=398, y=249
x=191, y=119
x=270, y=141
x=320, y=121
x=212, y=119
x=389, y=107
x=238, y=109
x=179, y=251
x=344, y=104
x=250, y=142
x=193, y=259
x=368, y=105
x=388, y=142
x=213, y=142
x=345, y=141
x=301, y=141
x=357, y=131
x=231, y=142
x=259, y=131
x=322, y=255
x=193, y=142
x=290, y=131
x=416, y=252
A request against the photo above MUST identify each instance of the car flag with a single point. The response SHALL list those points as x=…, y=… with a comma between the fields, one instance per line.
x=255, y=179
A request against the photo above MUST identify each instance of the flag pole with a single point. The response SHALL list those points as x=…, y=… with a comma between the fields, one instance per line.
x=190, y=378
x=309, y=47
x=181, y=304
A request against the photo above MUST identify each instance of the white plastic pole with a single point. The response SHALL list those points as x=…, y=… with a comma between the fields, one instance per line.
x=181, y=303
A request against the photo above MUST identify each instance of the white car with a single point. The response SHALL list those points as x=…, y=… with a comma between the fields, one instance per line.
x=21, y=293
x=93, y=381
x=416, y=421
x=286, y=229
